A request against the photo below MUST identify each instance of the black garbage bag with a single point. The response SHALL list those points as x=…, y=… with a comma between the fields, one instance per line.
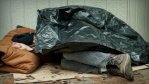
x=79, y=28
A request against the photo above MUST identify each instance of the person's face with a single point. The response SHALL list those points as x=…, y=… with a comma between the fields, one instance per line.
x=16, y=45
x=21, y=46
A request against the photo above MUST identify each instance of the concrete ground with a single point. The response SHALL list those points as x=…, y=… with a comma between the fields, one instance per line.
x=140, y=77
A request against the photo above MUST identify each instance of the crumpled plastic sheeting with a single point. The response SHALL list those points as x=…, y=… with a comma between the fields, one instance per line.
x=79, y=28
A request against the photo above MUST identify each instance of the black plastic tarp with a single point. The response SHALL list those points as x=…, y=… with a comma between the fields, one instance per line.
x=80, y=28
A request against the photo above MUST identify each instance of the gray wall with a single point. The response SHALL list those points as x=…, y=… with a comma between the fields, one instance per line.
x=23, y=12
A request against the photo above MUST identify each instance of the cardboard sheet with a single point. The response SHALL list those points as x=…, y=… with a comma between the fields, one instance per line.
x=48, y=72
x=135, y=68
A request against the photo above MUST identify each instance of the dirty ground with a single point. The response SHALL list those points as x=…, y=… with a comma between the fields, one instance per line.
x=140, y=77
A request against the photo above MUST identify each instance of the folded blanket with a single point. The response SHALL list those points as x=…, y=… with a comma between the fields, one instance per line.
x=17, y=60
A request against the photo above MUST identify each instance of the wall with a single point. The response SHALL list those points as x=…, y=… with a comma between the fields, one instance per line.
x=24, y=12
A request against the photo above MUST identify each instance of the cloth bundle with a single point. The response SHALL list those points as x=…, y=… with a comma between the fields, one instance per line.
x=17, y=60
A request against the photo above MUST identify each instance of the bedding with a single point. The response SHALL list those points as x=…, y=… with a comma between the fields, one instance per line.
x=17, y=60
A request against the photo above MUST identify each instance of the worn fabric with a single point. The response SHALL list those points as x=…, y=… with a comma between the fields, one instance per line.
x=26, y=38
x=80, y=67
x=17, y=60
x=93, y=58
x=7, y=39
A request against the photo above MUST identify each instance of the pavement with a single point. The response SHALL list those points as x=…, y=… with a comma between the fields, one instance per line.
x=140, y=77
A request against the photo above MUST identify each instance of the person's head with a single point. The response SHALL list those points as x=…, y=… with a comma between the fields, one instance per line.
x=26, y=38
x=21, y=46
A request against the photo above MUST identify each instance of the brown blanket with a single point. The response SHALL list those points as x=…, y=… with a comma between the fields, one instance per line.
x=17, y=60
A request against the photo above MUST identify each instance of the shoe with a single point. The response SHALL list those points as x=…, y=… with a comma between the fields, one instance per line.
x=123, y=62
x=114, y=71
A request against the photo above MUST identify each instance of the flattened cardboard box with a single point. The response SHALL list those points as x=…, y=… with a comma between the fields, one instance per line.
x=50, y=71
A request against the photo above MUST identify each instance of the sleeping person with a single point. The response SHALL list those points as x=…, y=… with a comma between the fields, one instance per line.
x=85, y=61
x=24, y=41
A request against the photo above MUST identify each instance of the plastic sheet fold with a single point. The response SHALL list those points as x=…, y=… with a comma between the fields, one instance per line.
x=84, y=28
